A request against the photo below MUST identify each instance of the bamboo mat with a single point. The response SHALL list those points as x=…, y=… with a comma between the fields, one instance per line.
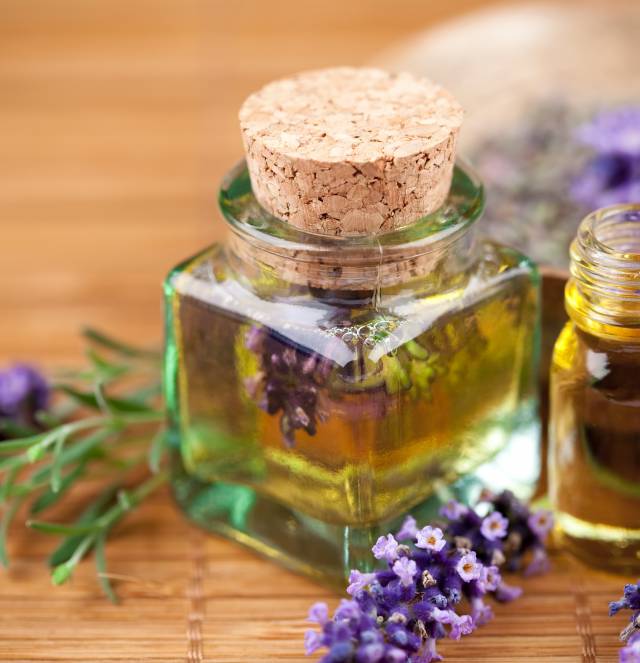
x=117, y=121
x=188, y=596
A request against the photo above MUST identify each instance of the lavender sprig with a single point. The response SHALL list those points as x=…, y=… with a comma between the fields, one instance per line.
x=509, y=533
x=48, y=445
x=398, y=613
x=630, y=600
x=288, y=382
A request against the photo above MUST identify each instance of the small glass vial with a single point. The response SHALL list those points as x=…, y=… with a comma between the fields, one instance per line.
x=595, y=394
x=353, y=353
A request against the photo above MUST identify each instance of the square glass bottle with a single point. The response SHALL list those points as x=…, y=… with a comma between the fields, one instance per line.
x=323, y=385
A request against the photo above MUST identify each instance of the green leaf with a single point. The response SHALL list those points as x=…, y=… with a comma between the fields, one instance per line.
x=38, y=450
x=101, y=566
x=7, y=518
x=61, y=573
x=80, y=450
x=106, y=369
x=64, y=571
x=7, y=484
x=119, y=347
x=49, y=497
x=89, y=399
x=65, y=550
x=124, y=500
x=56, y=467
x=10, y=446
x=13, y=430
x=60, y=528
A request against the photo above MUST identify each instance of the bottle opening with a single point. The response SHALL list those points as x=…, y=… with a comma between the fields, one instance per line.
x=616, y=232
x=603, y=295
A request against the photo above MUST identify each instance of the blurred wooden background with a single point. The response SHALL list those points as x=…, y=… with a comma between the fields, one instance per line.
x=117, y=121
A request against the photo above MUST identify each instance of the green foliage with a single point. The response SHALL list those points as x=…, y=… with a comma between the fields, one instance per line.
x=87, y=435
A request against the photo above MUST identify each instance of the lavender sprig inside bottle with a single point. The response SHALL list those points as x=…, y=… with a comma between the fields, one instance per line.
x=288, y=382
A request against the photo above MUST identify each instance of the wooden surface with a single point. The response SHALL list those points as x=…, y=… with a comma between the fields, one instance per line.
x=188, y=596
x=116, y=123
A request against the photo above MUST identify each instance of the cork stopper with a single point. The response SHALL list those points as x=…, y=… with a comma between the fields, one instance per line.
x=350, y=151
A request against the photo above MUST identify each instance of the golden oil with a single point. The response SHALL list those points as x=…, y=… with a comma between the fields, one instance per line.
x=595, y=395
x=308, y=420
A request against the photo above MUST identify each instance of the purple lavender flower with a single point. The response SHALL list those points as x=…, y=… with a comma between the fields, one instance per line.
x=631, y=633
x=494, y=526
x=613, y=132
x=540, y=523
x=526, y=536
x=460, y=625
x=613, y=174
x=430, y=538
x=454, y=510
x=319, y=613
x=630, y=653
x=386, y=547
x=359, y=581
x=490, y=578
x=23, y=393
x=507, y=593
x=398, y=613
x=347, y=610
x=468, y=567
x=406, y=570
x=630, y=600
x=312, y=641
x=409, y=529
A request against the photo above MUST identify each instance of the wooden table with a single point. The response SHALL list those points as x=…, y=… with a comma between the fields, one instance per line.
x=117, y=121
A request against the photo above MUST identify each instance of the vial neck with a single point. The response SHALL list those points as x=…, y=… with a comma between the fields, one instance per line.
x=603, y=294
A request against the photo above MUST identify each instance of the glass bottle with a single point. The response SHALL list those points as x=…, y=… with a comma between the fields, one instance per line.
x=322, y=387
x=595, y=394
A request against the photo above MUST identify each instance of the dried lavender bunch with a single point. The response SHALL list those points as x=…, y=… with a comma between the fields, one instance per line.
x=557, y=148
x=57, y=435
x=613, y=173
x=398, y=613
x=630, y=600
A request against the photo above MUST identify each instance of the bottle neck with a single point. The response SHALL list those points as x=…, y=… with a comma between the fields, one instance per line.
x=433, y=251
x=356, y=267
x=603, y=294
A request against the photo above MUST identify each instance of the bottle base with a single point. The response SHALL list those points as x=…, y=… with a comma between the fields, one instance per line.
x=613, y=549
x=327, y=551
